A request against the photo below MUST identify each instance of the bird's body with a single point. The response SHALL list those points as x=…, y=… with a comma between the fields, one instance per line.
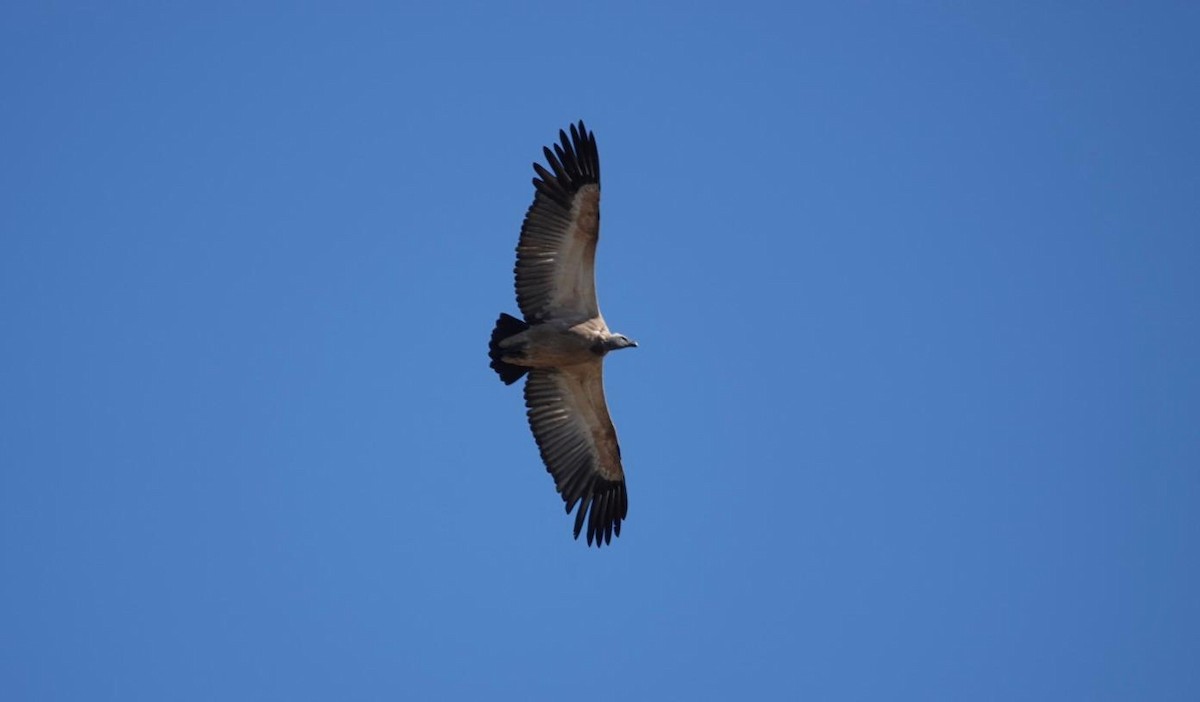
x=562, y=342
x=556, y=344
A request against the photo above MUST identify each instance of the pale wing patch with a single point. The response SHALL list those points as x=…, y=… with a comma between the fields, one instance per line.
x=589, y=383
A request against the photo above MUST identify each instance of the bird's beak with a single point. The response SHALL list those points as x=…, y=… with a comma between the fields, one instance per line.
x=633, y=343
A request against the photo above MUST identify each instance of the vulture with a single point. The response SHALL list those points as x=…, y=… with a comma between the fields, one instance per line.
x=561, y=343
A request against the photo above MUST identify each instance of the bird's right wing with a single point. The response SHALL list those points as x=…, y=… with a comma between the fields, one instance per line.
x=555, y=271
x=569, y=419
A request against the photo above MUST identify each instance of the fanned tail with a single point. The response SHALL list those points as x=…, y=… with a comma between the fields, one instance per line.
x=506, y=326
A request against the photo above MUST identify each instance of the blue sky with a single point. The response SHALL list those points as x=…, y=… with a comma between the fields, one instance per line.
x=915, y=414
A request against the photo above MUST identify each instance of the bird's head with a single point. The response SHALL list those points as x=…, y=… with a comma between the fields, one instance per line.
x=619, y=341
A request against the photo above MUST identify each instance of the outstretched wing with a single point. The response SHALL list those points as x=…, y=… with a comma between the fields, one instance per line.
x=555, y=269
x=578, y=443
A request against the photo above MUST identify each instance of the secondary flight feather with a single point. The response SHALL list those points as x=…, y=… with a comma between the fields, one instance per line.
x=563, y=339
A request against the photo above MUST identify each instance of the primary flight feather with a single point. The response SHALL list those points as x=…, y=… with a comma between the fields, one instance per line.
x=562, y=342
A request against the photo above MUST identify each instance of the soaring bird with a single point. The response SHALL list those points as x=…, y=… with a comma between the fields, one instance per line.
x=562, y=342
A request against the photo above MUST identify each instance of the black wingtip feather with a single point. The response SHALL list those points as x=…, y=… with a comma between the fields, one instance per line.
x=574, y=163
x=604, y=505
x=600, y=508
x=554, y=161
x=593, y=510
x=580, y=515
x=567, y=155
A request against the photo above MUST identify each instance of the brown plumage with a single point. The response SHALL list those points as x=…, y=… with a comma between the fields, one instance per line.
x=563, y=339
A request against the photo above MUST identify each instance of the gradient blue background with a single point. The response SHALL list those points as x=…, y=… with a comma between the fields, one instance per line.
x=915, y=415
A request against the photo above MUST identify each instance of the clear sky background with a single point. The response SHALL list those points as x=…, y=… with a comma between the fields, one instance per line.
x=915, y=414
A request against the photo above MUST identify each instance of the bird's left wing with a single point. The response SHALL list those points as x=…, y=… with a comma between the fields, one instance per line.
x=569, y=419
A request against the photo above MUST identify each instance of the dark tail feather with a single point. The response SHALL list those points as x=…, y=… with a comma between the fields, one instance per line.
x=506, y=326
